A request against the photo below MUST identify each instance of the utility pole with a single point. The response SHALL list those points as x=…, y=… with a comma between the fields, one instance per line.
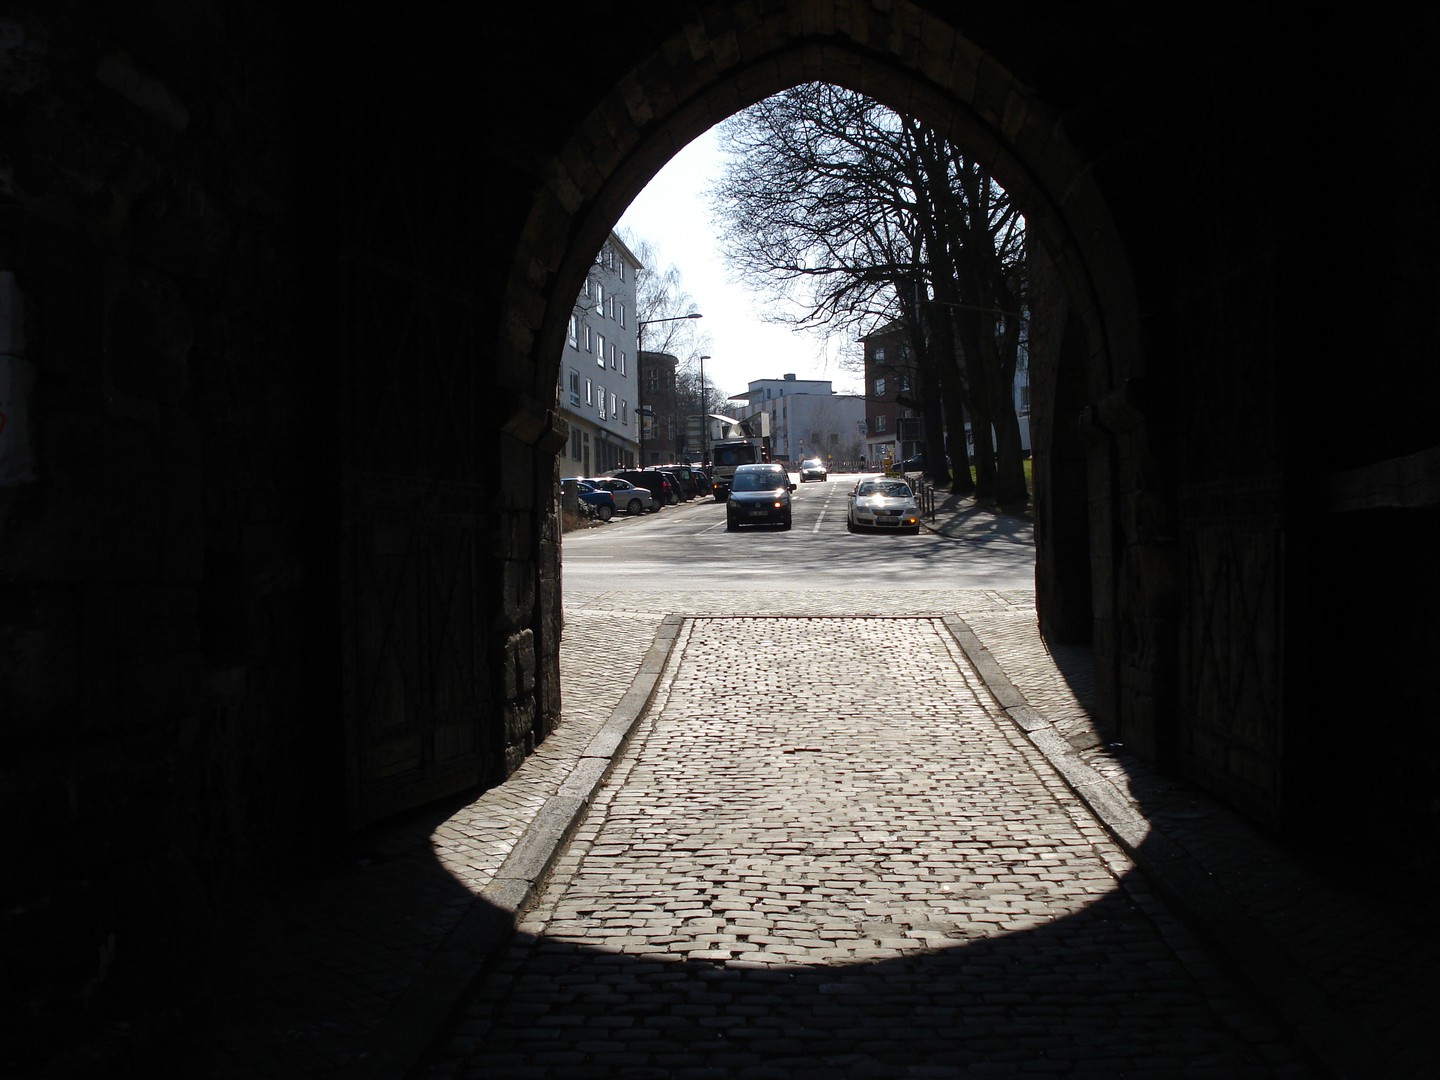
x=704, y=418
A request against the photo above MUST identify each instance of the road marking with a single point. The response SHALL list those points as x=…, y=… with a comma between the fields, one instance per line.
x=829, y=495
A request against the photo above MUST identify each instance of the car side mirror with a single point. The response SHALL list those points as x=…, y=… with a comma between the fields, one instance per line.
x=792, y=487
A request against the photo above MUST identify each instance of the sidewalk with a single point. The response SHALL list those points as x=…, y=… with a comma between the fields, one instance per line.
x=354, y=971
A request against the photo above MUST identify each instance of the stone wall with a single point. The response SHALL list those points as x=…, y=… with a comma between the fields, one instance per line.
x=162, y=575
x=282, y=303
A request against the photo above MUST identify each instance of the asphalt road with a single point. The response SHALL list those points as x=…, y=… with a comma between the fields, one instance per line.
x=644, y=554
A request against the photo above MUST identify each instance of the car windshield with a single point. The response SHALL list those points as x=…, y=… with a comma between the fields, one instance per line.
x=811, y=463
x=892, y=489
x=736, y=455
x=768, y=480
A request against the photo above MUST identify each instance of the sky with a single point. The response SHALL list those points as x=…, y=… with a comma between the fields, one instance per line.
x=672, y=214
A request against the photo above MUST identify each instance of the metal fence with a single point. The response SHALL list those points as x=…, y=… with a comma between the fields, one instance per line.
x=925, y=498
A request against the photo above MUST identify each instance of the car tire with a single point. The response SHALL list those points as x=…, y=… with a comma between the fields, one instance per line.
x=915, y=531
x=785, y=525
x=849, y=525
x=604, y=513
x=633, y=507
x=731, y=525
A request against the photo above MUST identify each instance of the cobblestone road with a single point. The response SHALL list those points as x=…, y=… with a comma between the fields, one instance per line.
x=844, y=861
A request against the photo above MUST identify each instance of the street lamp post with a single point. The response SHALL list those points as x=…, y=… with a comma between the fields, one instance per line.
x=640, y=325
x=704, y=418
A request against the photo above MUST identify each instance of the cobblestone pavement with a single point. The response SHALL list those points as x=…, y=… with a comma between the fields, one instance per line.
x=807, y=866
x=354, y=970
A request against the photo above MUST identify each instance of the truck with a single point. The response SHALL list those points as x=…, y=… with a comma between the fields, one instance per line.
x=738, y=442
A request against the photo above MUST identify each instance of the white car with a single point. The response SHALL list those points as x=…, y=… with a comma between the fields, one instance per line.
x=883, y=502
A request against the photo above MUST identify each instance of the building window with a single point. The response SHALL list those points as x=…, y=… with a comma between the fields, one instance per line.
x=589, y=392
x=589, y=339
x=622, y=361
x=879, y=353
x=624, y=412
x=879, y=387
x=574, y=331
x=600, y=349
x=612, y=405
x=612, y=354
x=575, y=444
x=880, y=423
x=600, y=297
x=600, y=400
x=620, y=313
x=574, y=387
x=904, y=381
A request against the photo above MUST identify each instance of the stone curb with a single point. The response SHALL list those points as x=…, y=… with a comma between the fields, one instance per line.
x=1187, y=887
x=417, y=1017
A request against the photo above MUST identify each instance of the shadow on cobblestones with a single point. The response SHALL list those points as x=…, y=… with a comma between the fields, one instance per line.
x=1095, y=993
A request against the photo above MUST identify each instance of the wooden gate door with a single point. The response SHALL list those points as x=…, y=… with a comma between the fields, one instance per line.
x=415, y=581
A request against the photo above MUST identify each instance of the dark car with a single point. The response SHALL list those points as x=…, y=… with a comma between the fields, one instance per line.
x=689, y=483
x=649, y=479
x=703, y=487
x=917, y=463
x=602, y=502
x=671, y=485
x=759, y=495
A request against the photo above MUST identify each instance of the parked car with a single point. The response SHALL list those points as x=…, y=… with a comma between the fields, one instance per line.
x=602, y=502
x=689, y=482
x=759, y=494
x=813, y=469
x=703, y=487
x=917, y=463
x=652, y=481
x=670, y=485
x=882, y=503
x=633, y=500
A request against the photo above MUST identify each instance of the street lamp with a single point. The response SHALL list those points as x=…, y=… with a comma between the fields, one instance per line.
x=640, y=364
x=704, y=418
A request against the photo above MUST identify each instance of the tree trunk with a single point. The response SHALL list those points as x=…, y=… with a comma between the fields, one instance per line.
x=985, y=479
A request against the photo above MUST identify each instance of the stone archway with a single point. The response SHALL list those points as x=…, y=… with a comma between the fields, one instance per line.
x=699, y=76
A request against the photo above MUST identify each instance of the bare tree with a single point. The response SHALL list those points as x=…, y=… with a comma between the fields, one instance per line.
x=661, y=304
x=855, y=215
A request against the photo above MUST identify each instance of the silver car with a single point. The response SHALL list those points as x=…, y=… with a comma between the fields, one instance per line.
x=633, y=500
x=813, y=469
x=883, y=502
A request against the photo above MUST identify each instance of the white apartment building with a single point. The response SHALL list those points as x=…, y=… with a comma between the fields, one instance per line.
x=807, y=419
x=599, y=372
